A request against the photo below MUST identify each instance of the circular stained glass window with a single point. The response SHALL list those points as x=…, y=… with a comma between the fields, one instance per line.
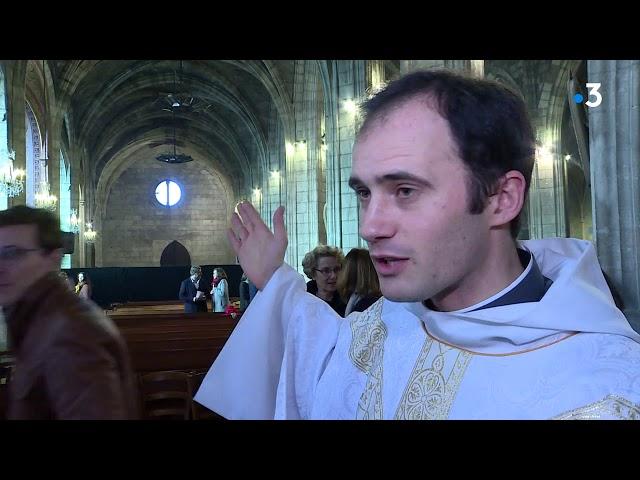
x=168, y=193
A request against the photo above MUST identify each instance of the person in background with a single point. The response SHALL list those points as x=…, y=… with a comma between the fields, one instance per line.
x=245, y=296
x=193, y=292
x=358, y=283
x=322, y=265
x=83, y=287
x=219, y=290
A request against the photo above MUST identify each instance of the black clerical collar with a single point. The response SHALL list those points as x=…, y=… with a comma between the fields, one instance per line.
x=531, y=288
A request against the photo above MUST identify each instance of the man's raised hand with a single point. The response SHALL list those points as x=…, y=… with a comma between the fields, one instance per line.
x=260, y=251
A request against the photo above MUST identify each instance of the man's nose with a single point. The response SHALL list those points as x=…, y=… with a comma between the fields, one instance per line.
x=376, y=221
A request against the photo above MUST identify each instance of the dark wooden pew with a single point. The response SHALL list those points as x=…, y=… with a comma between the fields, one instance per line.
x=174, y=341
x=163, y=306
x=177, y=344
x=152, y=303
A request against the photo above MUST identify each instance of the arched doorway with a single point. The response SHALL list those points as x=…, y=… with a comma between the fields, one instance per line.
x=175, y=254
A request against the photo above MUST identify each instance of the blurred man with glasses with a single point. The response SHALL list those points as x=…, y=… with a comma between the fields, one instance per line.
x=71, y=362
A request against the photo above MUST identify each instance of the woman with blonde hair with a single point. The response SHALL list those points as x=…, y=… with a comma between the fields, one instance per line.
x=322, y=265
x=358, y=283
x=219, y=290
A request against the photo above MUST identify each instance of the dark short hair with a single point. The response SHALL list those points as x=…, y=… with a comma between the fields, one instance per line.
x=47, y=224
x=488, y=121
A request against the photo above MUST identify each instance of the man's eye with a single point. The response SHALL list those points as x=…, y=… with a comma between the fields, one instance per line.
x=363, y=194
x=405, y=192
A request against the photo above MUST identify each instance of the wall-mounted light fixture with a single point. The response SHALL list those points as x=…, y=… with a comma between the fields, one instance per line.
x=289, y=149
x=544, y=156
x=350, y=106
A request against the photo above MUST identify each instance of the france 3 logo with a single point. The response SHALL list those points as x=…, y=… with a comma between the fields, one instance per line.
x=593, y=92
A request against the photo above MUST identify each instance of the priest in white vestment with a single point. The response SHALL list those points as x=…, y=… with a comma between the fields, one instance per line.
x=472, y=325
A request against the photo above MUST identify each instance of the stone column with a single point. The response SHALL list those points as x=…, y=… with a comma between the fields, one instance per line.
x=614, y=143
x=15, y=75
x=53, y=158
x=82, y=258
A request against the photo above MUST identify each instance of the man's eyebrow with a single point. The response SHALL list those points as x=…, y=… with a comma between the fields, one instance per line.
x=355, y=182
x=396, y=176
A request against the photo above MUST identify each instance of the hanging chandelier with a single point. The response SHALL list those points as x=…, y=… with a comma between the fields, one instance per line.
x=12, y=179
x=176, y=103
x=90, y=234
x=44, y=199
x=174, y=157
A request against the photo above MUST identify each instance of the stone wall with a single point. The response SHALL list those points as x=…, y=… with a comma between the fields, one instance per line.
x=137, y=228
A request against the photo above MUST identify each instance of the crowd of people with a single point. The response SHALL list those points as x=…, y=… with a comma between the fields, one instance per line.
x=347, y=283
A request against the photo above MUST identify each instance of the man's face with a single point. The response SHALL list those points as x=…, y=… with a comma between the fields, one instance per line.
x=80, y=277
x=22, y=262
x=196, y=276
x=412, y=190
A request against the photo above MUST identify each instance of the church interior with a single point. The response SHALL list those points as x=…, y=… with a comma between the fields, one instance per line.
x=143, y=161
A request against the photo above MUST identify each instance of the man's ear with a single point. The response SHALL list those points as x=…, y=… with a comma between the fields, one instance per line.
x=507, y=200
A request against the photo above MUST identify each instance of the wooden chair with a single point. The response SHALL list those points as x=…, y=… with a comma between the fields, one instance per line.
x=166, y=395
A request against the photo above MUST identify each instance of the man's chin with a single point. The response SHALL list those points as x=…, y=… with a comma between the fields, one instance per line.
x=397, y=292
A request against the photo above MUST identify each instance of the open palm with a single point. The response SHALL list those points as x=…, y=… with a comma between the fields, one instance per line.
x=260, y=251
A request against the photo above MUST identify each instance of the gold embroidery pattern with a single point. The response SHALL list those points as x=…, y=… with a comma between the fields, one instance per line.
x=368, y=334
x=431, y=389
x=370, y=403
x=610, y=407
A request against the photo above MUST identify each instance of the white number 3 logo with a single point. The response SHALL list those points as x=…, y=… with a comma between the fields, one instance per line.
x=593, y=91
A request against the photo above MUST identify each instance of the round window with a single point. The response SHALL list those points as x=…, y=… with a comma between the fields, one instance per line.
x=168, y=193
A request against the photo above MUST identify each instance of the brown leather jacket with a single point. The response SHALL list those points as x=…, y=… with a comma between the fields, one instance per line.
x=71, y=362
